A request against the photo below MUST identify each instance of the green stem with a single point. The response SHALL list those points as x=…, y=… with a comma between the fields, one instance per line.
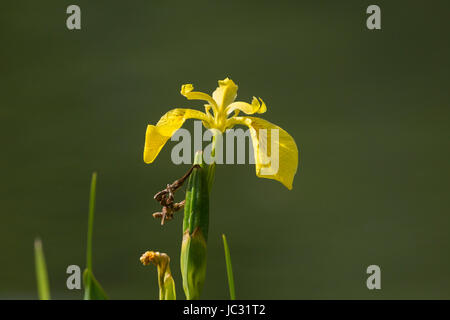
x=212, y=166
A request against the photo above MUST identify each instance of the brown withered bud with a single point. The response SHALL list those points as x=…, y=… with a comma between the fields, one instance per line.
x=166, y=198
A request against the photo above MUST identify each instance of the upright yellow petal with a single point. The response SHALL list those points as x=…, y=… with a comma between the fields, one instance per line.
x=263, y=143
x=157, y=136
x=225, y=93
x=255, y=107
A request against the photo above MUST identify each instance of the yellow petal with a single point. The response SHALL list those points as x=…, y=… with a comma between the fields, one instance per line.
x=284, y=171
x=225, y=93
x=247, y=108
x=157, y=136
x=187, y=91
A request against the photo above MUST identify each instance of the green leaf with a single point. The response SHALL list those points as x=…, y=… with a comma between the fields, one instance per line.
x=92, y=288
x=211, y=175
x=41, y=271
x=91, y=221
x=169, y=292
x=229, y=268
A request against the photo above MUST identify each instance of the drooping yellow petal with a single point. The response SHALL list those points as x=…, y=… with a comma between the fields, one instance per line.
x=255, y=107
x=225, y=93
x=265, y=137
x=157, y=136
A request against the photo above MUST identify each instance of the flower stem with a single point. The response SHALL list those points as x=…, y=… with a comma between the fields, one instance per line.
x=212, y=166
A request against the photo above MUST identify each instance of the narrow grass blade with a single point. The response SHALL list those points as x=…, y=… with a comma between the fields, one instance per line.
x=92, y=288
x=91, y=221
x=41, y=271
x=229, y=268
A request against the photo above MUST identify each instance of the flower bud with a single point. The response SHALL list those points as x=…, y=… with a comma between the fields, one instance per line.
x=165, y=280
x=195, y=230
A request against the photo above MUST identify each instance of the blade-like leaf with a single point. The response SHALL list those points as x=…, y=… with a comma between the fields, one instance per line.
x=92, y=288
x=229, y=268
x=91, y=221
x=41, y=271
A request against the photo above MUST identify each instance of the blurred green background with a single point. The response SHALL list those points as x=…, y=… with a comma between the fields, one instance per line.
x=369, y=111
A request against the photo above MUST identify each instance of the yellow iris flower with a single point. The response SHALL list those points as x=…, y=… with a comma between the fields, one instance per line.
x=225, y=115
